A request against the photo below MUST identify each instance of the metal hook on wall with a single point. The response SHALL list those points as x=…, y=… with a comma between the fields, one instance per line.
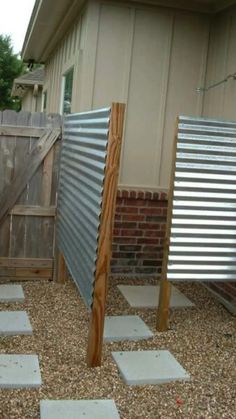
x=211, y=86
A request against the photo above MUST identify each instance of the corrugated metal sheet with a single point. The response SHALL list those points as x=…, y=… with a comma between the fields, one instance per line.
x=83, y=160
x=203, y=228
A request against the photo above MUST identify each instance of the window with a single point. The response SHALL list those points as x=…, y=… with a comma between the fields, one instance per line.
x=67, y=95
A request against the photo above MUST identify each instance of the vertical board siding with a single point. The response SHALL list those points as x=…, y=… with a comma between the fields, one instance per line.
x=217, y=66
x=154, y=66
x=145, y=98
x=186, y=71
x=64, y=57
x=27, y=237
x=151, y=58
x=111, y=55
x=220, y=101
x=82, y=171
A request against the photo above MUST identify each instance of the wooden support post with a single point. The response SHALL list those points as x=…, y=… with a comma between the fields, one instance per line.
x=61, y=268
x=163, y=307
x=95, y=338
x=165, y=287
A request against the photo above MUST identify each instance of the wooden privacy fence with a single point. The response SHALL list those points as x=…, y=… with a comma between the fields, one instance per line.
x=28, y=183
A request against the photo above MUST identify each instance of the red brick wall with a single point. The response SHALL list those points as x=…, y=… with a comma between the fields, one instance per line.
x=138, y=233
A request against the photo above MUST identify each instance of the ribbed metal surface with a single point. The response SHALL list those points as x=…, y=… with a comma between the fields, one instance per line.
x=82, y=170
x=203, y=228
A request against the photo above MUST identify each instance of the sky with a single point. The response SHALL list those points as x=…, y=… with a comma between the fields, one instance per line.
x=14, y=19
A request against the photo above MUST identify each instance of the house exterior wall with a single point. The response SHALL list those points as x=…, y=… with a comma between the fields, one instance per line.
x=30, y=102
x=151, y=58
x=68, y=55
x=220, y=103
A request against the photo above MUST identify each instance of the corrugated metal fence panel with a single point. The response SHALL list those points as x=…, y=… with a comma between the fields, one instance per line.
x=82, y=171
x=203, y=227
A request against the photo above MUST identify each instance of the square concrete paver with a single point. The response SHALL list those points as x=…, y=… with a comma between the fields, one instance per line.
x=125, y=328
x=11, y=293
x=147, y=296
x=19, y=371
x=14, y=323
x=78, y=409
x=149, y=367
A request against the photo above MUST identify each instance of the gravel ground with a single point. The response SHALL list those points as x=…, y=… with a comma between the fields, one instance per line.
x=201, y=338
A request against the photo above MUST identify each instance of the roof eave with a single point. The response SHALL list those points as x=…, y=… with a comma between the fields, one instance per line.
x=49, y=22
x=28, y=82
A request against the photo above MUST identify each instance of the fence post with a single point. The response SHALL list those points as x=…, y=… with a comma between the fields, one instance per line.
x=95, y=338
x=165, y=286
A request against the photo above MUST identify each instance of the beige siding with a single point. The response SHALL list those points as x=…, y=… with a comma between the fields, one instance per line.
x=220, y=101
x=111, y=62
x=186, y=71
x=147, y=91
x=151, y=58
x=32, y=103
x=66, y=56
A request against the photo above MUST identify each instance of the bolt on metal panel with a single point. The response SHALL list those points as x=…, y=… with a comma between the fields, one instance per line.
x=203, y=225
x=82, y=172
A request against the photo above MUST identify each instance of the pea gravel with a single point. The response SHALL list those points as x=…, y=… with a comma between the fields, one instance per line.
x=202, y=339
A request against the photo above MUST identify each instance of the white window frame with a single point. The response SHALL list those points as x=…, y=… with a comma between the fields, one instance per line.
x=63, y=84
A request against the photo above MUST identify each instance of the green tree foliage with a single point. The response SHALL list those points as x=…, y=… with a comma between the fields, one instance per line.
x=10, y=68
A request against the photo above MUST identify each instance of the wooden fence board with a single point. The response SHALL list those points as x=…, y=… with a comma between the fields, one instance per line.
x=27, y=233
x=11, y=193
x=33, y=210
x=33, y=230
x=15, y=131
x=18, y=225
x=7, y=150
x=33, y=272
x=26, y=262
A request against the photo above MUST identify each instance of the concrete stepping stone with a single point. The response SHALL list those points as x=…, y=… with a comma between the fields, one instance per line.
x=14, y=323
x=147, y=296
x=78, y=409
x=19, y=371
x=11, y=293
x=119, y=328
x=149, y=367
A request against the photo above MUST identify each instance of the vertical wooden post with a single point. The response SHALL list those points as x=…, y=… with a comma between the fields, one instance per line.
x=95, y=338
x=165, y=287
x=61, y=271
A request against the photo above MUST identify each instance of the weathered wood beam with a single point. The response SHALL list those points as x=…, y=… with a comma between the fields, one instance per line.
x=21, y=131
x=34, y=210
x=33, y=272
x=26, y=262
x=26, y=273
